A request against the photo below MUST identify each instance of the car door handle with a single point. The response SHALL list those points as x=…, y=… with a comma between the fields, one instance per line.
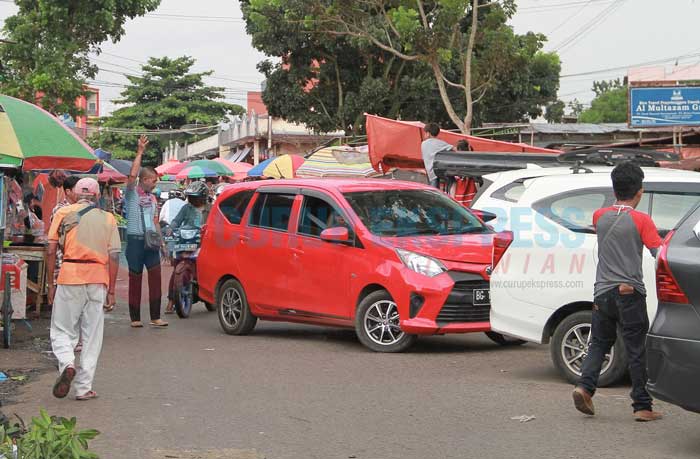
x=244, y=239
x=296, y=252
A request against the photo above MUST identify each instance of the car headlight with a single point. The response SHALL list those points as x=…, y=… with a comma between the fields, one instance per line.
x=421, y=264
x=188, y=233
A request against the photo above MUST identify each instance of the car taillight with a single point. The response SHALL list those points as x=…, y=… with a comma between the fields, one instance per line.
x=501, y=242
x=667, y=289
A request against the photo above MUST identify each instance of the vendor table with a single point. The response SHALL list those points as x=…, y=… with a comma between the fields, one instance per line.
x=34, y=254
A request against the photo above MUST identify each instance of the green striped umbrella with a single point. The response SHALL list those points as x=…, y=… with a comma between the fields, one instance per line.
x=215, y=166
x=37, y=140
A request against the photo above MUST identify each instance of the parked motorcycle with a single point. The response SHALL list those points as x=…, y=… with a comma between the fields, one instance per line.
x=184, y=245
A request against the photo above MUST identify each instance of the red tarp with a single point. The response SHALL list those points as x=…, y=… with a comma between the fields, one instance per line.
x=397, y=143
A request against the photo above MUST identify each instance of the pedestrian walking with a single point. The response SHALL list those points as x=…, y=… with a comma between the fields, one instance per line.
x=88, y=276
x=619, y=293
x=429, y=148
x=69, y=198
x=143, y=239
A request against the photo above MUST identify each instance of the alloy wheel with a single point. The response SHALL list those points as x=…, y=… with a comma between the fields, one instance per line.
x=381, y=323
x=574, y=349
x=232, y=307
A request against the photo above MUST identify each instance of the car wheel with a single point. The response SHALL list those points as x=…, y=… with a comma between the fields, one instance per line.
x=233, y=311
x=504, y=340
x=569, y=348
x=377, y=324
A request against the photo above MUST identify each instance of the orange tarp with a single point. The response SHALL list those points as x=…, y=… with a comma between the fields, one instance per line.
x=397, y=143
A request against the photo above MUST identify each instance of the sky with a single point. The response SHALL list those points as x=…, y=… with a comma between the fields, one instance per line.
x=589, y=35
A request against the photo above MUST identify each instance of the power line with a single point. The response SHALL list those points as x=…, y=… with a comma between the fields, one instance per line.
x=558, y=6
x=588, y=26
x=569, y=18
x=625, y=67
x=222, y=77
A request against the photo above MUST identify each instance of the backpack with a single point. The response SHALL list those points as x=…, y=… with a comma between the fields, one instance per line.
x=70, y=221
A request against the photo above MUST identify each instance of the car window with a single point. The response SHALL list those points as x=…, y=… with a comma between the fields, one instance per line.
x=412, y=212
x=234, y=207
x=667, y=209
x=574, y=210
x=272, y=210
x=511, y=192
x=318, y=214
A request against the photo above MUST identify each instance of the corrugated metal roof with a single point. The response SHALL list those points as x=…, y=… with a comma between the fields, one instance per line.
x=577, y=128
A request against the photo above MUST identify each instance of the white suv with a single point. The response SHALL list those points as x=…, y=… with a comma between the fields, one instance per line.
x=544, y=270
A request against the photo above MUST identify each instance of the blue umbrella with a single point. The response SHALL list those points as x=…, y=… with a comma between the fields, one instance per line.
x=257, y=171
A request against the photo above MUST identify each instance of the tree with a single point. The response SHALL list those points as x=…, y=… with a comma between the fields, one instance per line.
x=555, y=112
x=328, y=82
x=52, y=41
x=166, y=96
x=576, y=107
x=610, y=104
x=343, y=58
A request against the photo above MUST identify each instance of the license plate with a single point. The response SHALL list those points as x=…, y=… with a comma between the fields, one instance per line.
x=481, y=297
x=186, y=247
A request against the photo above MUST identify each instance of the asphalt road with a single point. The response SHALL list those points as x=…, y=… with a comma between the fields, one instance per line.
x=291, y=391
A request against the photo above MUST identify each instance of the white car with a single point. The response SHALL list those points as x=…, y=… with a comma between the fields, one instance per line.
x=542, y=280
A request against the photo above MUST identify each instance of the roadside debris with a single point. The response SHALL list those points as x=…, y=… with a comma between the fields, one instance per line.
x=523, y=418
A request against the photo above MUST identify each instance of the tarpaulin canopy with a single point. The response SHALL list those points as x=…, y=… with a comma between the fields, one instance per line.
x=326, y=163
x=37, y=140
x=395, y=143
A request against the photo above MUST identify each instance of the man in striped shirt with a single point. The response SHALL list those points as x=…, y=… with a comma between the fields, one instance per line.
x=142, y=216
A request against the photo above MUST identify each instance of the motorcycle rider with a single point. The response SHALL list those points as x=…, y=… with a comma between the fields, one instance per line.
x=193, y=214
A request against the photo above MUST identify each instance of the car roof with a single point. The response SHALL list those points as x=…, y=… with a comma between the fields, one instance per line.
x=536, y=172
x=342, y=185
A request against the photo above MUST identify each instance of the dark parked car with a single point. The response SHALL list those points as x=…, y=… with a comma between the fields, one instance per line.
x=674, y=338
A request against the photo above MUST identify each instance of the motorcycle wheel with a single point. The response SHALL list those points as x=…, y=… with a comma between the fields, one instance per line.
x=183, y=300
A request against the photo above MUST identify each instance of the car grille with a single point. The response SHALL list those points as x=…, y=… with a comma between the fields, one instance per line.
x=459, y=306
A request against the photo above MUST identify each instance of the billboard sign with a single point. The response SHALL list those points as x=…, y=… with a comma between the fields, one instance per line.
x=664, y=106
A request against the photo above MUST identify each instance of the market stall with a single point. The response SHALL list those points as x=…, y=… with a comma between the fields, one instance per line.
x=32, y=142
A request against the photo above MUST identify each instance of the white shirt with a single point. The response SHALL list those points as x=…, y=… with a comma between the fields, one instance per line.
x=429, y=148
x=170, y=210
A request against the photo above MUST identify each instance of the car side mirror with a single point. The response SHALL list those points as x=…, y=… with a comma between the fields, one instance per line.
x=696, y=230
x=337, y=235
x=483, y=215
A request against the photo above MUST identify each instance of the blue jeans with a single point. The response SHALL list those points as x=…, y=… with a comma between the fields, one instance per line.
x=630, y=311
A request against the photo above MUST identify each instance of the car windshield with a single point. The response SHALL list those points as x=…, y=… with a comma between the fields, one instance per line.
x=412, y=213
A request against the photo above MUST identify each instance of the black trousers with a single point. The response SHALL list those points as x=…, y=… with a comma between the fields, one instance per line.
x=630, y=311
x=137, y=257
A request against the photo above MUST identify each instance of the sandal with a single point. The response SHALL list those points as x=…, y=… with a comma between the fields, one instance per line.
x=89, y=395
x=108, y=307
x=62, y=385
x=136, y=324
x=78, y=347
x=159, y=323
x=170, y=311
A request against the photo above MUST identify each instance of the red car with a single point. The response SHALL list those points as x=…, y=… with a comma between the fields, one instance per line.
x=390, y=259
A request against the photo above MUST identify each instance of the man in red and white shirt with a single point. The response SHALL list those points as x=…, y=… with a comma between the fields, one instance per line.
x=619, y=292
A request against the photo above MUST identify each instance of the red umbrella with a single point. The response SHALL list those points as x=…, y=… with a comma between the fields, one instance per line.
x=240, y=170
x=110, y=175
x=171, y=167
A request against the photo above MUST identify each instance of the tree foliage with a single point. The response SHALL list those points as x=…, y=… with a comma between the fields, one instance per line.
x=610, y=104
x=555, y=112
x=52, y=41
x=166, y=96
x=430, y=60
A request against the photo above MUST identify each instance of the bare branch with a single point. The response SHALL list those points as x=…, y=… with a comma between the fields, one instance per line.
x=422, y=14
x=444, y=78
